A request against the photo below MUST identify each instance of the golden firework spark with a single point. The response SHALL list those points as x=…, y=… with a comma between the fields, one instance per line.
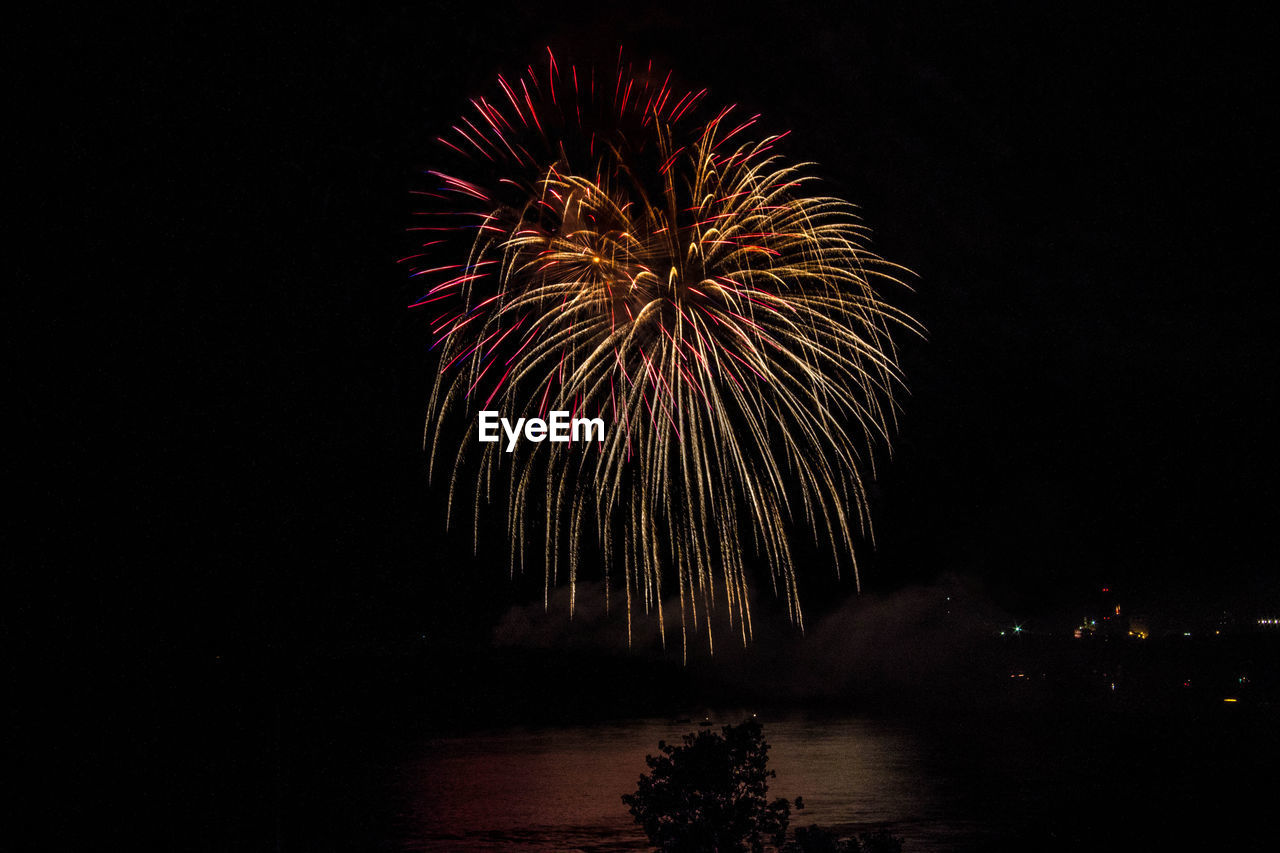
x=622, y=259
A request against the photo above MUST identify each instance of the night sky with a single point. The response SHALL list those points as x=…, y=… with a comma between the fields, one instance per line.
x=1085, y=194
x=241, y=582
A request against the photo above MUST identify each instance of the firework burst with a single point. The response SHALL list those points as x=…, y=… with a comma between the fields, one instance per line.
x=608, y=246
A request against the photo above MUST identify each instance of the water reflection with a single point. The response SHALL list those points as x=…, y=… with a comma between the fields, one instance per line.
x=559, y=789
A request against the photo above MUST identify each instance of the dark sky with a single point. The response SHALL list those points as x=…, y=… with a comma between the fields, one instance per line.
x=1084, y=192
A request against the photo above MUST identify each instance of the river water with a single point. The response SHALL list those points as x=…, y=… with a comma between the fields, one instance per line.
x=559, y=789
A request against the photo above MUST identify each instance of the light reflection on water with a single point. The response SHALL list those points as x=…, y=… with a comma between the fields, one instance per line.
x=559, y=789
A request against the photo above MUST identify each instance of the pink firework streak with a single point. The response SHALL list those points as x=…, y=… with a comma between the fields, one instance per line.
x=598, y=248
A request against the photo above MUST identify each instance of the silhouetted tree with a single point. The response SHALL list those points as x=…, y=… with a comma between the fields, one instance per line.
x=710, y=795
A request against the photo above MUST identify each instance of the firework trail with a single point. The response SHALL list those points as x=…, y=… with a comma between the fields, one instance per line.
x=609, y=246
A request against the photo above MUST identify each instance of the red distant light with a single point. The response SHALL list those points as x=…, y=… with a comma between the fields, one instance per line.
x=1106, y=589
